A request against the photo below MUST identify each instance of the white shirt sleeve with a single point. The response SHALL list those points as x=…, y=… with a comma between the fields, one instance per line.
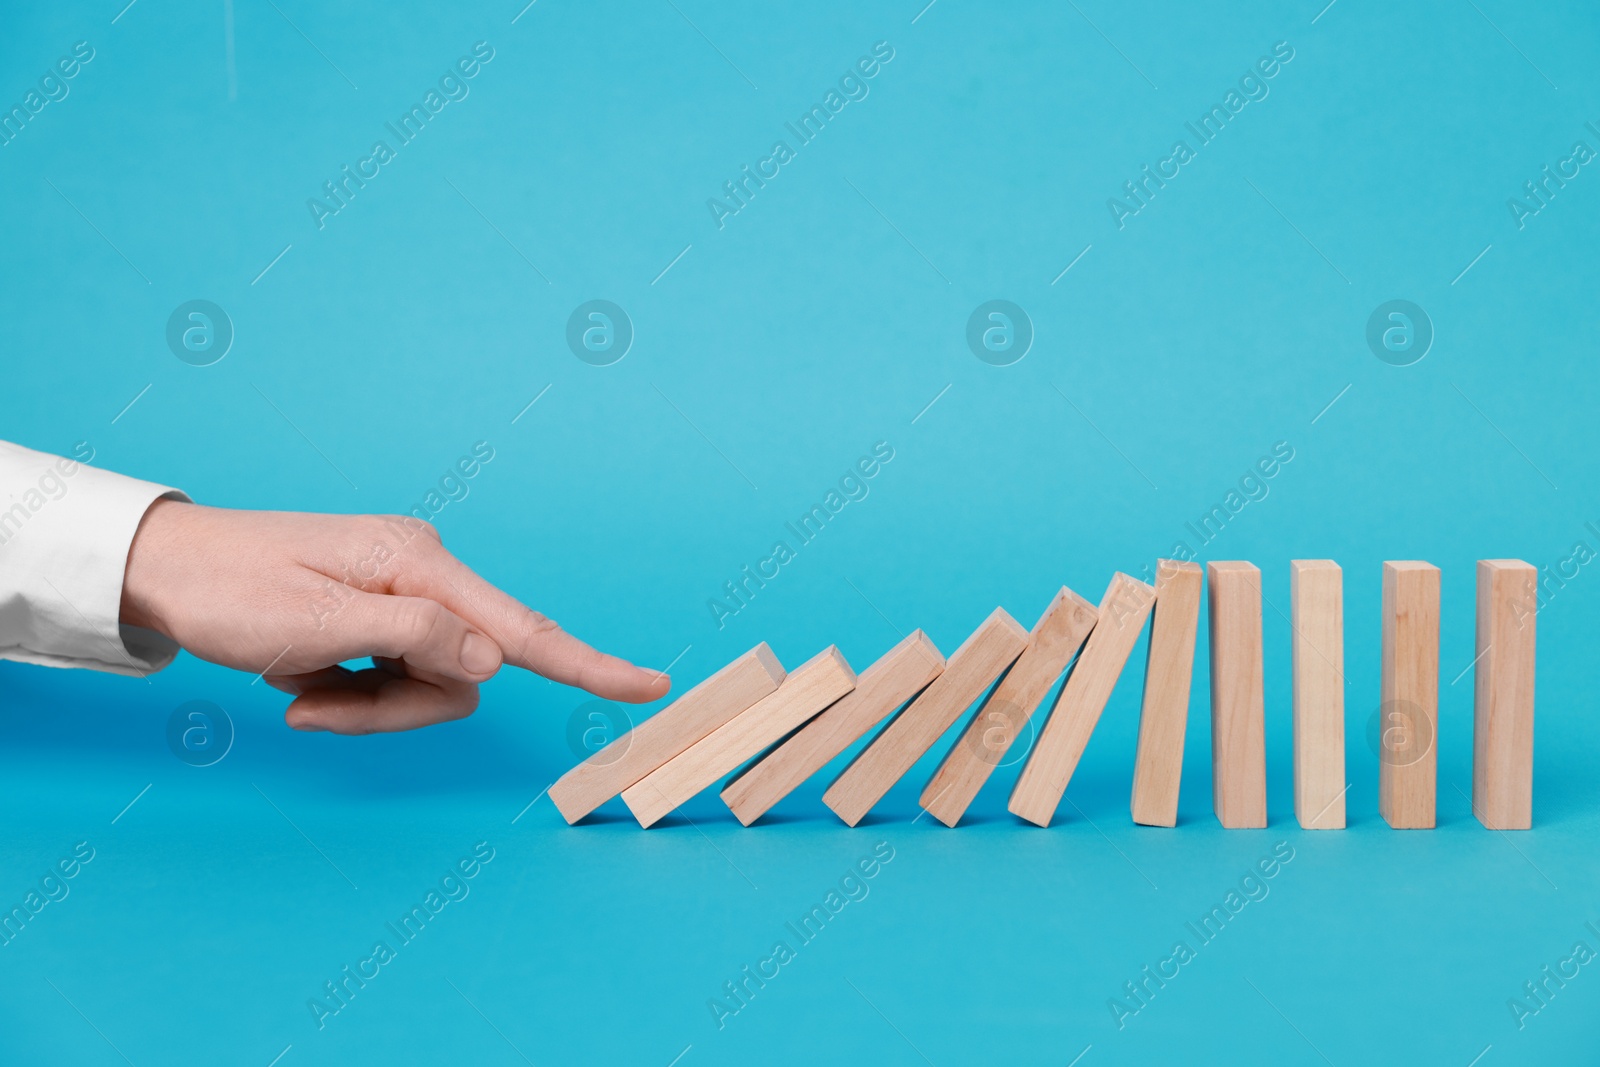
x=65, y=531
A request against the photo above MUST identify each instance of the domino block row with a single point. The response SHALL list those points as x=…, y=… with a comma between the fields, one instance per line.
x=782, y=727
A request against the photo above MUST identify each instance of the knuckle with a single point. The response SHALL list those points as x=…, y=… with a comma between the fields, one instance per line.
x=423, y=527
x=421, y=622
x=405, y=528
x=543, y=625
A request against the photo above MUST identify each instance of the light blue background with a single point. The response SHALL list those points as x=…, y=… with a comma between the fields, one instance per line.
x=821, y=319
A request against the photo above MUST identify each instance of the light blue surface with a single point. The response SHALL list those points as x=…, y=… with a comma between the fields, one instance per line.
x=822, y=318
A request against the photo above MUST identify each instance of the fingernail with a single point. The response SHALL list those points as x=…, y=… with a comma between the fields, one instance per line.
x=479, y=655
x=308, y=725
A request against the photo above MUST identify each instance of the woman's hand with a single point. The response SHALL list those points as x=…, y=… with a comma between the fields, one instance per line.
x=291, y=596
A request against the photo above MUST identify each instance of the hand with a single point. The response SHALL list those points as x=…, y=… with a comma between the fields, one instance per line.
x=294, y=595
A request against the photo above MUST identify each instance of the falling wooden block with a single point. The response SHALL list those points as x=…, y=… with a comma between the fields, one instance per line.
x=970, y=670
x=1409, y=713
x=1502, y=706
x=1238, y=743
x=680, y=724
x=900, y=674
x=808, y=689
x=1123, y=609
x=1316, y=607
x=1056, y=638
x=1168, y=670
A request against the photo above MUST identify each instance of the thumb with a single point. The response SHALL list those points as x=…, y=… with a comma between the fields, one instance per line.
x=418, y=630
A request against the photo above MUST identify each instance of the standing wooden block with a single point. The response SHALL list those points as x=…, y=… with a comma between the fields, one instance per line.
x=677, y=726
x=973, y=666
x=1409, y=714
x=808, y=689
x=1502, y=706
x=1168, y=670
x=1238, y=741
x=1316, y=606
x=900, y=674
x=1123, y=609
x=1056, y=638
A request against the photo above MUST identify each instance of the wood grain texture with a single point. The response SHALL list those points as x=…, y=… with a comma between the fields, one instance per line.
x=971, y=668
x=1123, y=609
x=680, y=724
x=1502, y=706
x=1164, y=714
x=1055, y=639
x=1316, y=609
x=1409, y=710
x=808, y=689
x=898, y=675
x=1238, y=741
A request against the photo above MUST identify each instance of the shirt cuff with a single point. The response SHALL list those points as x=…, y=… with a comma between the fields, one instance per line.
x=65, y=531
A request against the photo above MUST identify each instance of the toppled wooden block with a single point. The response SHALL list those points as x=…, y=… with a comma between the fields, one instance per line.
x=900, y=674
x=970, y=670
x=1056, y=638
x=680, y=724
x=1238, y=740
x=806, y=691
x=1123, y=609
x=1502, y=705
x=1164, y=715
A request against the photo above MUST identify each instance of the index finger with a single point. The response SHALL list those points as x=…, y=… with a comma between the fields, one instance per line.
x=527, y=639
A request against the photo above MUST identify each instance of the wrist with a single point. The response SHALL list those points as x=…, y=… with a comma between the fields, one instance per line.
x=143, y=582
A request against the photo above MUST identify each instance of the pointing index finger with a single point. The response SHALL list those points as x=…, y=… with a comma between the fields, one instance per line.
x=530, y=640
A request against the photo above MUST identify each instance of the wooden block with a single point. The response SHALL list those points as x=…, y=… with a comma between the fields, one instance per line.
x=980, y=659
x=1056, y=638
x=1123, y=609
x=808, y=689
x=1316, y=608
x=674, y=728
x=1502, y=706
x=1238, y=743
x=900, y=674
x=1168, y=670
x=1409, y=713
